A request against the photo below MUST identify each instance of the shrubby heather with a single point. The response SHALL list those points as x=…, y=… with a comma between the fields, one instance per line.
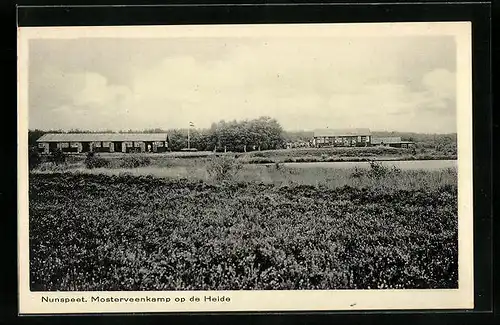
x=99, y=232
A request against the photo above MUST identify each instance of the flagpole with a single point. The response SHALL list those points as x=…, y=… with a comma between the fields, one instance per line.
x=189, y=138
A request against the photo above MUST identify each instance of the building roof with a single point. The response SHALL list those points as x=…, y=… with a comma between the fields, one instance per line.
x=378, y=140
x=90, y=137
x=340, y=132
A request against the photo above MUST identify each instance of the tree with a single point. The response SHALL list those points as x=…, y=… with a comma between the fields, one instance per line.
x=34, y=158
x=263, y=132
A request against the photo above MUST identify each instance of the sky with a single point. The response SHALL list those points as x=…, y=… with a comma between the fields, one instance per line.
x=383, y=83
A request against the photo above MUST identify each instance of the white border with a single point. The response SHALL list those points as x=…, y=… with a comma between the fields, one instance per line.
x=462, y=298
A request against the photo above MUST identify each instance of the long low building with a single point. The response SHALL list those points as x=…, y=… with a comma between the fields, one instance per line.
x=103, y=142
x=342, y=138
x=355, y=138
x=394, y=142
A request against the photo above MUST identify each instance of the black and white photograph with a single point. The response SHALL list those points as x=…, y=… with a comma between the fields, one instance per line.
x=245, y=167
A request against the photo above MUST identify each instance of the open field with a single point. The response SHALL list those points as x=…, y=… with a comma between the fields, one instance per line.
x=261, y=229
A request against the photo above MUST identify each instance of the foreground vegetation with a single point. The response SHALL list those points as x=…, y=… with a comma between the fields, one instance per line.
x=230, y=227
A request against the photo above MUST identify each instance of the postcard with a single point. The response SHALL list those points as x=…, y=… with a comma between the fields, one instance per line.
x=272, y=167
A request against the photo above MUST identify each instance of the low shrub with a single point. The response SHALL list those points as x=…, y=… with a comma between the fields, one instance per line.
x=57, y=157
x=223, y=168
x=358, y=172
x=34, y=158
x=395, y=170
x=94, y=161
x=377, y=170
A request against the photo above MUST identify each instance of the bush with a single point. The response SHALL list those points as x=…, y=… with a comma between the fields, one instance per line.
x=223, y=168
x=395, y=170
x=94, y=161
x=377, y=170
x=34, y=158
x=358, y=172
x=58, y=157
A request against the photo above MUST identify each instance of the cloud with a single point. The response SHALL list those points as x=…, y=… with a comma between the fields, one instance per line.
x=77, y=100
x=441, y=83
x=96, y=92
x=304, y=84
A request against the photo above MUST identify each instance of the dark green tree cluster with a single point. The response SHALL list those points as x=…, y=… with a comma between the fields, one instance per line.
x=263, y=133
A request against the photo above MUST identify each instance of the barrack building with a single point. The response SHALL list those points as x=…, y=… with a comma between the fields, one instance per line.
x=103, y=142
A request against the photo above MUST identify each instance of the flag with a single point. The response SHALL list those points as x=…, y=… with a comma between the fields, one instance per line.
x=191, y=124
